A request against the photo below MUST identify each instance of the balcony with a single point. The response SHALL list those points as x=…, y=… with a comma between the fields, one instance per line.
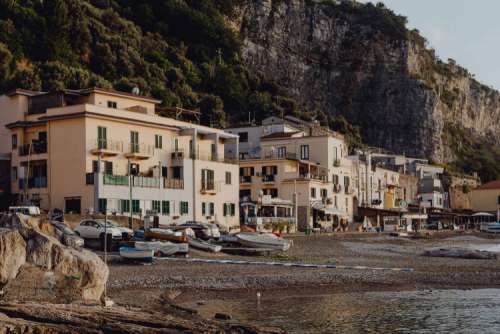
x=33, y=183
x=208, y=188
x=139, y=151
x=177, y=155
x=115, y=180
x=246, y=179
x=37, y=147
x=173, y=183
x=145, y=182
x=276, y=155
x=268, y=178
x=309, y=176
x=105, y=147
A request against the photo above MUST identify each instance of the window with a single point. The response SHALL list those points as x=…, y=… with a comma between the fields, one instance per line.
x=213, y=152
x=243, y=137
x=324, y=193
x=282, y=152
x=229, y=209
x=304, y=152
x=102, y=135
x=136, y=208
x=158, y=142
x=14, y=142
x=203, y=209
x=134, y=142
x=155, y=206
x=335, y=179
x=42, y=136
x=164, y=171
x=228, y=177
x=72, y=205
x=335, y=201
x=165, y=208
x=124, y=205
x=112, y=104
x=177, y=172
x=347, y=204
x=108, y=167
x=191, y=149
x=103, y=205
x=14, y=173
x=269, y=170
x=176, y=145
x=212, y=209
x=245, y=194
x=207, y=179
x=184, y=208
x=313, y=192
x=273, y=192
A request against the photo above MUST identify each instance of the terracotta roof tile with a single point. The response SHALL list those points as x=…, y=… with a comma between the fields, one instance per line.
x=490, y=185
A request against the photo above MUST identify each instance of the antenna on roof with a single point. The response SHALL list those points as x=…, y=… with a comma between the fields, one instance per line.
x=135, y=90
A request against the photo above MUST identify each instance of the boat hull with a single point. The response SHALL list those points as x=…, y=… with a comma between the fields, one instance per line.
x=263, y=242
x=166, y=248
x=165, y=236
x=203, y=245
x=136, y=254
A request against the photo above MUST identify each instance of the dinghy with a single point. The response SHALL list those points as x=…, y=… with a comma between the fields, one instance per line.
x=136, y=254
x=204, y=245
x=165, y=234
x=166, y=248
x=267, y=240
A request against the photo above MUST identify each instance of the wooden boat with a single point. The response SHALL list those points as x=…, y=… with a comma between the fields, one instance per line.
x=267, y=240
x=136, y=254
x=164, y=234
x=166, y=248
x=204, y=245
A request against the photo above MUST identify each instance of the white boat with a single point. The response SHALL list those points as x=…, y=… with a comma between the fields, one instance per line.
x=136, y=254
x=166, y=248
x=228, y=238
x=266, y=240
x=204, y=245
x=491, y=227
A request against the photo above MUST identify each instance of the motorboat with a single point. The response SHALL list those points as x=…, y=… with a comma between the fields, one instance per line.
x=491, y=227
x=264, y=240
x=204, y=245
x=131, y=253
x=165, y=234
x=166, y=248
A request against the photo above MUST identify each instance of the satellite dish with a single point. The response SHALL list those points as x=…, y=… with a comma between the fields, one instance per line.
x=135, y=90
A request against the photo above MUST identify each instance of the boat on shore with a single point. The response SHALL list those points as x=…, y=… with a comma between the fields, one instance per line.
x=166, y=235
x=265, y=240
x=204, y=245
x=491, y=227
x=136, y=254
x=166, y=248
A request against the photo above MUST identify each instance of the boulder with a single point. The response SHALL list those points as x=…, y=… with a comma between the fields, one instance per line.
x=50, y=266
x=12, y=254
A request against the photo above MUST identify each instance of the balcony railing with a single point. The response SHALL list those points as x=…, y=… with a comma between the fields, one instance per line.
x=323, y=178
x=115, y=180
x=108, y=145
x=245, y=179
x=140, y=149
x=173, y=183
x=36, y=148
x=268, y=178
x=145, y=182
x=275, y=155
x=208, y=186
x=34, y=183
x=177, y=155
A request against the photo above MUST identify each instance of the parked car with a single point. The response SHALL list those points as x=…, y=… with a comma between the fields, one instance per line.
x=66, y=235
x=29, y=210
x=126, y=232
x=202, y=230
x=94, y=229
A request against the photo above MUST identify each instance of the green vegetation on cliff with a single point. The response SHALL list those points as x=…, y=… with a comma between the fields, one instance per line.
x=184, y=52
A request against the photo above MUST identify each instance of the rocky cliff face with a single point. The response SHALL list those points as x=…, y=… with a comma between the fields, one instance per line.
x=360, y=61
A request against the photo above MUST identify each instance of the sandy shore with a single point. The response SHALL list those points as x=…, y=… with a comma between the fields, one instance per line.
x=141, y=285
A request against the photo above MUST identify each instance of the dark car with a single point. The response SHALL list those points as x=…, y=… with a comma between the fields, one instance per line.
x=66, y=235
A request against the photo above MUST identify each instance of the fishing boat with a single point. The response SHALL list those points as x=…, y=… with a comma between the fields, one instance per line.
x=166, y=248
x=204, y=245
x=136, y=254
x=165, y=234
x=491, y=227
x=265, y=240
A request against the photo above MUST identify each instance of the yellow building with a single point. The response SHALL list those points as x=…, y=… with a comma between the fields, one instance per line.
x=94, y=149
x=486, y=198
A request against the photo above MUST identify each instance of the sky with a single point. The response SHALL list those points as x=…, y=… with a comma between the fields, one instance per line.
x=465, y=30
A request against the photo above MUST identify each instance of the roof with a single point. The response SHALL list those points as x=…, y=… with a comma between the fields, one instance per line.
x=115, y=92
x=490, y=185
x=20, y=91
x=280, y=135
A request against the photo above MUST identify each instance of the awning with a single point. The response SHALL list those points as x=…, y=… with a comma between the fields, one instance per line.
x=483, y=214
x=329, y=211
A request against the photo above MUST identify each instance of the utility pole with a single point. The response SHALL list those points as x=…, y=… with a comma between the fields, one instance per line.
x=130, y=179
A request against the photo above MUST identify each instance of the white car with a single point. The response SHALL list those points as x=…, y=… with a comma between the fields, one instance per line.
x=95, y=229
x=126, y=232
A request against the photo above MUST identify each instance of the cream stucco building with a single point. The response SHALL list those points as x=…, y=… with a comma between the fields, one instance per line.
x=94, y=149
x=486, y=198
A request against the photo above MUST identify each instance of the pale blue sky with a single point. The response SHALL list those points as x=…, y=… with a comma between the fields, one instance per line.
x=465, y=30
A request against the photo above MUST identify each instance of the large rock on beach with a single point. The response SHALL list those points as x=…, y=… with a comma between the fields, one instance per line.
x=45, y=268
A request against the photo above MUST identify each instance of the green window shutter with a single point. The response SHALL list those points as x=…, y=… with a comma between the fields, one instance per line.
x=225, y=209
x=203, y=208
x=212, y=209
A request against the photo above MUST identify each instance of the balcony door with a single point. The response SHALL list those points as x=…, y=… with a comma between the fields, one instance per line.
x=102, y=138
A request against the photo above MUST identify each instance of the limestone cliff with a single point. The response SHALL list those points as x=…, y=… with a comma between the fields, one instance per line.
x=360, y=61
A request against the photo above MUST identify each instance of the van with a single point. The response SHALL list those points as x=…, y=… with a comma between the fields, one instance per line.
x=25, y=210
